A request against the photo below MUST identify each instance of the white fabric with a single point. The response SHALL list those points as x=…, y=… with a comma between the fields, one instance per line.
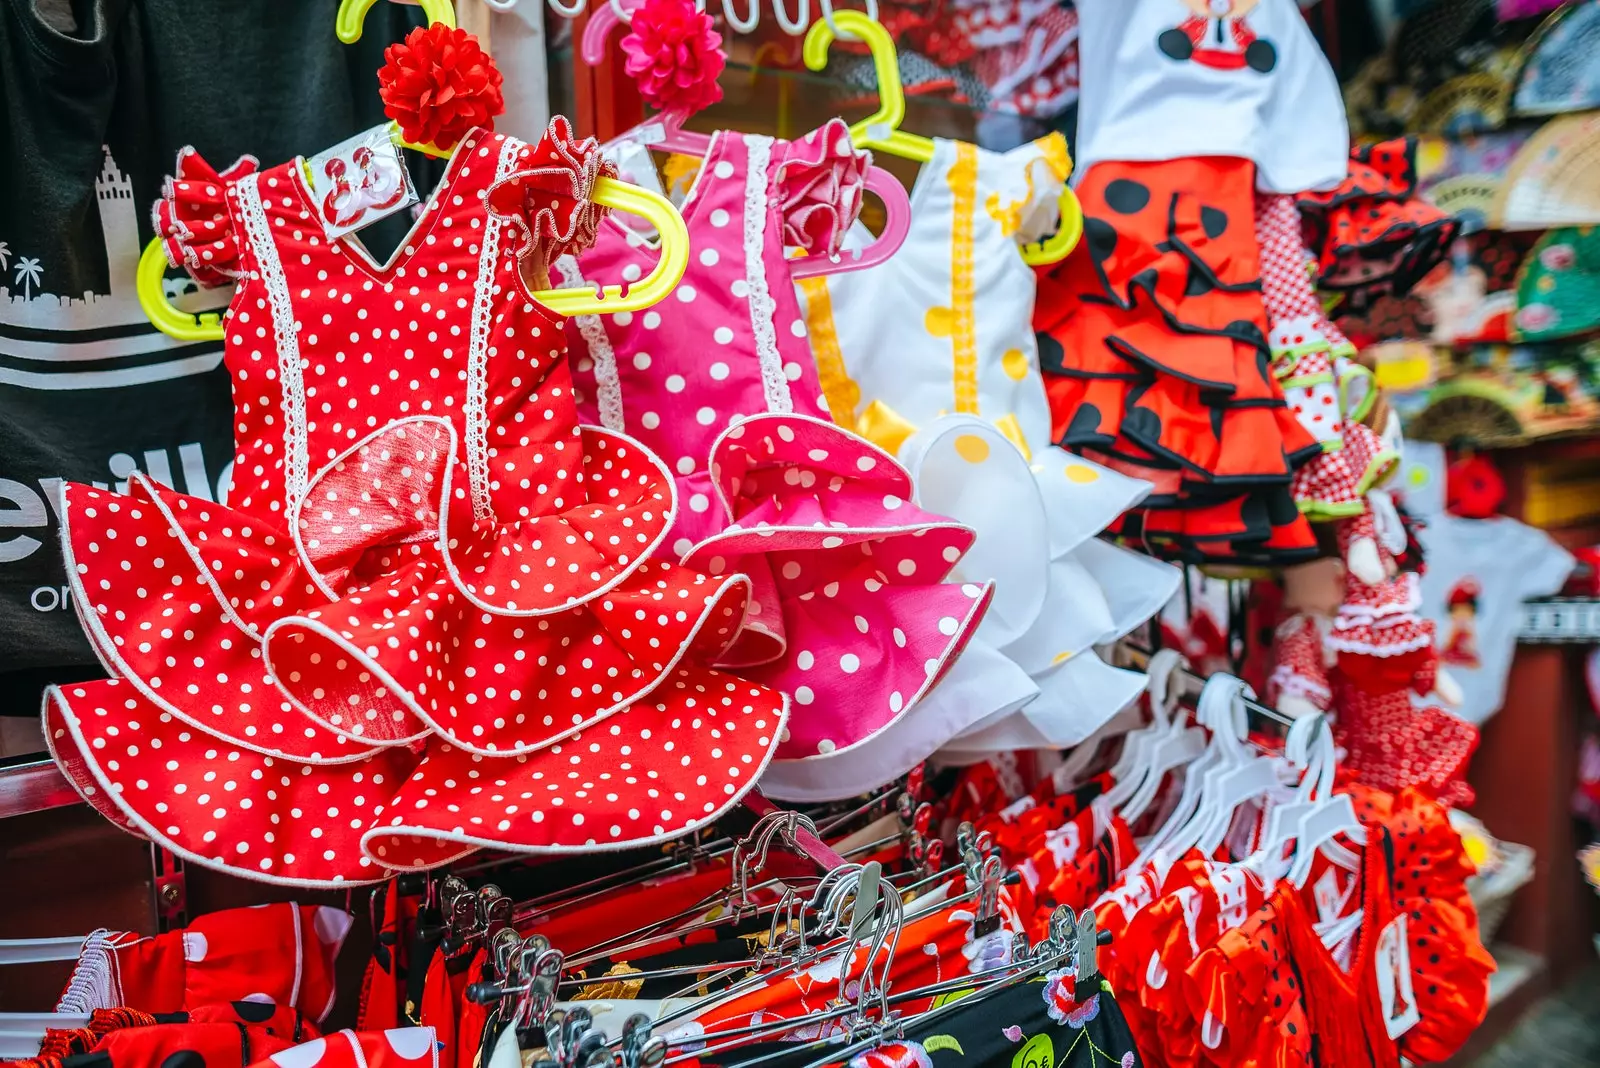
x=1138, y=103
x=1510, y=562
x=946, y=326
x=981, y=679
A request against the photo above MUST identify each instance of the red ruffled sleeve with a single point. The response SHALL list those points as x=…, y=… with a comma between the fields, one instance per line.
x=549, y=194
x=1374, y=234
x=820, y=181
x=193, y=222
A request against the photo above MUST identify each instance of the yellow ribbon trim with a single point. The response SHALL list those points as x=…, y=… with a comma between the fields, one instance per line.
x=886, y=428
x=838, y=388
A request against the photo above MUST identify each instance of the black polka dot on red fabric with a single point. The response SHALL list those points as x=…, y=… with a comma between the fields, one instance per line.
x=1214, y=221
x=1127, y=196
x=184, y=1058
x=254, y=1011
x=1102, y=238
x=1085, y=422
x=1142, y=424
x=1052, y=357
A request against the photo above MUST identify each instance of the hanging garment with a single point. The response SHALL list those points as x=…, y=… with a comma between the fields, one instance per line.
x=851, y=612
x=419, y=549
x=277, y=954
x=930, y=356
x=1244, y=80
x=232, y=1035
x=1156, y=359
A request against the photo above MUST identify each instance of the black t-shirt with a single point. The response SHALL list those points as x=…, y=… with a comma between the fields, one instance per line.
x=96, y=98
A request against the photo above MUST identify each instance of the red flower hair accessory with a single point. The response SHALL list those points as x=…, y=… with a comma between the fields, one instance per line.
x=438, y=84
x=675, y=55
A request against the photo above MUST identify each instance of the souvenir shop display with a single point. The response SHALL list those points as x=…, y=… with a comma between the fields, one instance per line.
x=944, y=492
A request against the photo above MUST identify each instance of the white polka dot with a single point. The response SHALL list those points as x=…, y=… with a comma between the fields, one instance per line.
x=652, y=320
x=891, y=502
x=804, y=660
x=649, y=420
x=951, y=554
x=896, y=702
x=791, y=570
x=411, y=1043
x=641, y=360
x=907, y=567
x=900, y=637
x=740, y=288
x=826, y=746
x=698, y=502
x=723, y=169
x=719, y=218
x=718, y=371
x=803, y=695
x=949, y=625
x=862, y=625
x=797, y=328
x=686, y=293
x=792, y=372
x=675, y=383
x=709, y=257
x=685, y=465
x=849, y=663
x=706, y=416
x=971, y=589
x=867, y=463
x=722, y=335
x=682, y=546
x=631, y=272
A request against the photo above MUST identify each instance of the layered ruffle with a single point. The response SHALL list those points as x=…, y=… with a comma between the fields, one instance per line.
x=851, y=611
x=191, y=218
x=350, y=657
x=1157, y=363
x=547, y=198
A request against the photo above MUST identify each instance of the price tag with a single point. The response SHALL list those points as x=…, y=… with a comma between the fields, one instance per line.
x=359, y=181
x=1393, y=964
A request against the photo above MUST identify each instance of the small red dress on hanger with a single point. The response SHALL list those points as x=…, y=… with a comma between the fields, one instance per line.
x=425, y=620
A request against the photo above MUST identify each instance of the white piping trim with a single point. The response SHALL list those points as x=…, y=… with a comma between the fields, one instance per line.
x=607, y=383
x=474, y=842
x=111, y=660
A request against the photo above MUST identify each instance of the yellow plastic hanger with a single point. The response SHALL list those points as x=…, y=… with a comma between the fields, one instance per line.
x=880, y=130
x=619, y=196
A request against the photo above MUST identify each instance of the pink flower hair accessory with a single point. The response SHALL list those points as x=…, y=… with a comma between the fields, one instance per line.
x=675, y=55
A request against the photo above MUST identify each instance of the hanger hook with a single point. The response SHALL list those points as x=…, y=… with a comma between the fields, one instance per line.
x=352, y=16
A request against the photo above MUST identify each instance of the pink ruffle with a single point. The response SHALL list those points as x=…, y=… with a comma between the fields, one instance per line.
x=850, y=611
x=191, y=218
x=820, y=182
x=548, y=196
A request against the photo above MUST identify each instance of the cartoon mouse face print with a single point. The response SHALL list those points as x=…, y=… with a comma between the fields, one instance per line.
x=1216, y=34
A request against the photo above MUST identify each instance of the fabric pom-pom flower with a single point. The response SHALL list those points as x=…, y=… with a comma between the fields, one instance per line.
x=674, y=55
x=438, y=84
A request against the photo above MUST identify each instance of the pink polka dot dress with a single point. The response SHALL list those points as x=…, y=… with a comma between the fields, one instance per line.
x=850, y=610
x=428, y=618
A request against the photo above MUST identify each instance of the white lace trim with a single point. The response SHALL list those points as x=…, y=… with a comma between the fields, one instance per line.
x=290, y=375
x=607, y=385
x=475, y=409
x=762, y=307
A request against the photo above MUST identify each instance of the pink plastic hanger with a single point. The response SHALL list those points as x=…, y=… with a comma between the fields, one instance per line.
x=665, y=132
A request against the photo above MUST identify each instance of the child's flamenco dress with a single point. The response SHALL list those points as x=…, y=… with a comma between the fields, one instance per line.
x=427, y=619
x=852, y=613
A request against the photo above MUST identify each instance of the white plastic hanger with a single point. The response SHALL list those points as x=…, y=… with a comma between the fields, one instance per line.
x=1133, y=763
x=21, y=1032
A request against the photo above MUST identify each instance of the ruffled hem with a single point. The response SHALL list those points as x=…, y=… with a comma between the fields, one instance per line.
x=851, y=612
x=191, y=218
x=1335, y=485
x=263, y=818
x=1392, y=745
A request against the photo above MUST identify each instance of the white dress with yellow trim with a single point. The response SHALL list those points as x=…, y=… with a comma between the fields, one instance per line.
x=932, y=356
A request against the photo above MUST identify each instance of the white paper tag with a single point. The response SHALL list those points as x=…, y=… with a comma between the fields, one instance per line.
x=359, y=181
x=1330, y=902
x=650, y=134
x=1393, y=964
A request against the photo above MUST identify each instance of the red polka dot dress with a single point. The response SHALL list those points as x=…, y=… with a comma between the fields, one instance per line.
x=851, y=612
x=426, y=620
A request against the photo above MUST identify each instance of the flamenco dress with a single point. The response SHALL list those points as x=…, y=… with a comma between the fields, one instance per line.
x=930, y=356
x=851, y=612
x=427, y=618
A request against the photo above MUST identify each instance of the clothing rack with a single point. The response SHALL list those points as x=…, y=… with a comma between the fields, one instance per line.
x=813, y=847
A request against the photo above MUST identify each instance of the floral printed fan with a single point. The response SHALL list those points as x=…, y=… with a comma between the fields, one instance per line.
x=1555, y=179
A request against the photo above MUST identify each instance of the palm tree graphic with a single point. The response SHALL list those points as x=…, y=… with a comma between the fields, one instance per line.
x=5, y=255
x=27, y=275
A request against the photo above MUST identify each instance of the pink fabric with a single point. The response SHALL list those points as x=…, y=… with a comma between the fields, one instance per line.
x=850, y=613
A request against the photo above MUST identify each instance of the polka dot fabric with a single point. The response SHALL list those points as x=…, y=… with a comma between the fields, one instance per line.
x=850, y=609
x=430, y=584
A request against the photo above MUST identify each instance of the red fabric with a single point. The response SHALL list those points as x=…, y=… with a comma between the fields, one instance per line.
x=405, y=1047
x=281, y=953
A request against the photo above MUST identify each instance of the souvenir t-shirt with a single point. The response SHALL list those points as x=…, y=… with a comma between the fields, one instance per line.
x=1173, y=79
x=1479, y=571
x=96, y=97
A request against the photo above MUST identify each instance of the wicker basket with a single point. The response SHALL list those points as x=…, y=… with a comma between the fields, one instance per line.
x=1492, y=893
